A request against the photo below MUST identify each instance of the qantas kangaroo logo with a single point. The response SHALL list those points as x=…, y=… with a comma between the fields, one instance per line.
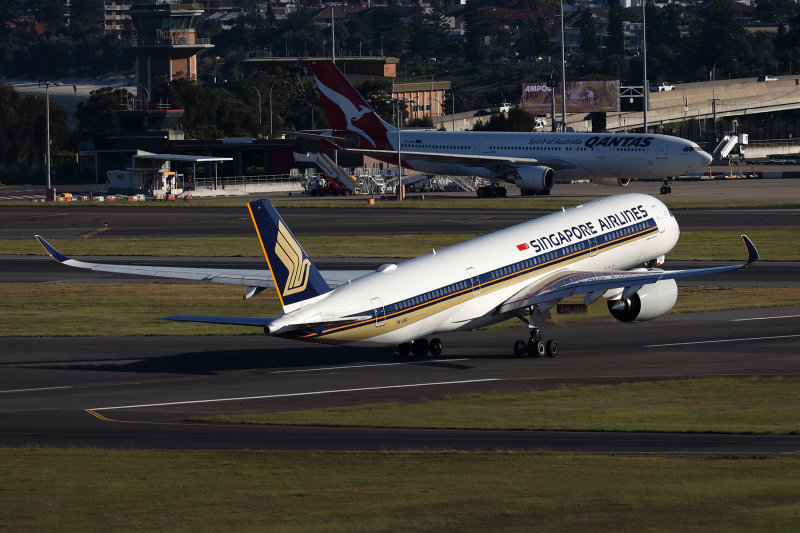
x=349, y=112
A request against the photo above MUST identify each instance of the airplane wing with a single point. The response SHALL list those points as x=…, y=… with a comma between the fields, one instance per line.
x=494, y=163
x=562, y=284
x=271, y=325
x=256, y=280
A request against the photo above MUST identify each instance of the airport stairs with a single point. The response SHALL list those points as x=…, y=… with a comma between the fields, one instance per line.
x=727, y=144
x=330, y=170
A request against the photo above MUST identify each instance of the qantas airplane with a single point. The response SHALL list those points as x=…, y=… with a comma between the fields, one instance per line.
x=532, y=161
x=608, y=248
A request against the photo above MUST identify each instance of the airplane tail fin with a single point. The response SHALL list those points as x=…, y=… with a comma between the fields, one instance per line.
x=346, y=109
x=296, y=278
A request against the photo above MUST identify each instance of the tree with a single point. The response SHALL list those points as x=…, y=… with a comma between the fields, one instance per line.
x=482, y=28
x=590, y=46
x=534, y=40
x=23, y=135
x=97, y=116
x=616, y=31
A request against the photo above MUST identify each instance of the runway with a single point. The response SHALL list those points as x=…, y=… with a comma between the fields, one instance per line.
x=136, y=393
x=22, y=222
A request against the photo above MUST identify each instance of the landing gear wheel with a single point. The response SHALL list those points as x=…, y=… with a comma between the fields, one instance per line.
x=520, y=349
x=404, y=349
x=420, y=347
x=535, y=349
x=435, y=347
x=551, y=348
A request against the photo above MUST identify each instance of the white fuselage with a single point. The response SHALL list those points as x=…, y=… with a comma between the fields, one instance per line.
x=571, y=155
x=461, y=287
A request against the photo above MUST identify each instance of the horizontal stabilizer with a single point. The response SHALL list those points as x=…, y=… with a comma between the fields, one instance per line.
x=232, y=320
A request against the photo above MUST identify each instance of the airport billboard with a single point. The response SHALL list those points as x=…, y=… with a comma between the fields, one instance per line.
x=582, y=96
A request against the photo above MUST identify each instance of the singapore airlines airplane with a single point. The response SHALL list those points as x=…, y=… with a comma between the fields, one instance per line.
x=532, y=161
x=608, y=248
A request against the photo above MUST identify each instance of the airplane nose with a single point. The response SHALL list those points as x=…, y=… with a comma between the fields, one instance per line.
x=706, y=157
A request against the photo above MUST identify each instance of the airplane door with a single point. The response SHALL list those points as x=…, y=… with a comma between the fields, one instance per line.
x=474, y=280
x=380, y=312
x=599, y=151
x=659, y=216
x=662, y=150
x=592, y=245
x=476, y=148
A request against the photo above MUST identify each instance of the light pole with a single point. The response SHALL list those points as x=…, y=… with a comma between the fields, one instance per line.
x=397, y=102
x=453, y=101
x=563, y=73
x=146, y=102
x=47, y=119
x=259, y=104
x=270, y=110
x=311, y=107
x=645, y=85
x=714, y=95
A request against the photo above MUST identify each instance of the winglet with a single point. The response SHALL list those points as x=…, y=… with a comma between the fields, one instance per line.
x=752, y=253
x=55, y=254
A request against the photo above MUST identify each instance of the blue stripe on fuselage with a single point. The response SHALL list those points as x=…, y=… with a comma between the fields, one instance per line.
x=493, y=277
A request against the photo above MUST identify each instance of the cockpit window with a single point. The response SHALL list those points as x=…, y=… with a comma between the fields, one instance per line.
x=694, y=148
x=670, y=214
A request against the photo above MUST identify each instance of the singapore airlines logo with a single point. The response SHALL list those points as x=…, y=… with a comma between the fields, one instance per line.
x=291, y=255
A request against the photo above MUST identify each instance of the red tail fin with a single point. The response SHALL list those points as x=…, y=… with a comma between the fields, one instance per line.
x=347, y=110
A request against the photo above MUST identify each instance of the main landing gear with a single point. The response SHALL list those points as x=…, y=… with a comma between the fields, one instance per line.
x=535, y=347
x=421, y=348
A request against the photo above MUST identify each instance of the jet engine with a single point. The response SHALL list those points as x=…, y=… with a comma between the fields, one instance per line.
x=613, y=182
x=536, y=180
x=651, y=301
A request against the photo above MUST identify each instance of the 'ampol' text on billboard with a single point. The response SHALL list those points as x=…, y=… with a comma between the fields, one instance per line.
x=582, y=97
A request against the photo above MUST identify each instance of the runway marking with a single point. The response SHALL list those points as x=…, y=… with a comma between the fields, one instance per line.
x=366, y=366
x=721, y=340
x=293, y=394
x=764, y=318
x=36, y=390
x=98, y=415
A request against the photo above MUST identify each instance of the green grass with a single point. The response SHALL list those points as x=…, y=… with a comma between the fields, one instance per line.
x=130, y=308
x=97, y=490
x=714, y=405
x=121, y=309
x=773, y=245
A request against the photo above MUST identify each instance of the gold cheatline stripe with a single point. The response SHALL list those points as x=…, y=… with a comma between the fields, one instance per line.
x=486, y=284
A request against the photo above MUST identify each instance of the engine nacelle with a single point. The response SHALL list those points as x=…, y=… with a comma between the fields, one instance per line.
x=651, y=301
x=538, y=180
x=612, y=182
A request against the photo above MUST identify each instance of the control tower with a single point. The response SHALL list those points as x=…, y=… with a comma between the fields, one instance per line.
x=165, y=42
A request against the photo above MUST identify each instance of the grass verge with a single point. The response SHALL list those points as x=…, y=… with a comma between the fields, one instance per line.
x=121, y=309
x=713, y=405
x=130, y=308
x=415, y=201
x=773, y=245
x=95, y=490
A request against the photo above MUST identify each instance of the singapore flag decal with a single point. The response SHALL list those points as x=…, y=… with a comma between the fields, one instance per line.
x=523, y=246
